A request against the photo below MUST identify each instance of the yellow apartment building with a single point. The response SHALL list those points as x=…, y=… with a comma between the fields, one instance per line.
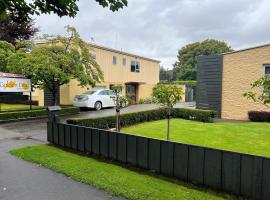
x=137, y=74
x=223, y=79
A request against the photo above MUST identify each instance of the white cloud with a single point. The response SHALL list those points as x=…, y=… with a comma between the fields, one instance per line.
x=158, y=28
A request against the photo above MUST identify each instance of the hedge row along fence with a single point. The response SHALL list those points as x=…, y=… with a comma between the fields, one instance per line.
x=16, y=115
x=232, y=172
x=144, y=116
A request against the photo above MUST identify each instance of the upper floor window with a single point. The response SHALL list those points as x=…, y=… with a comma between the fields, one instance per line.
x=93, y=56
x=135, y=66
x=266, y=69
x=124, y=61
x=114, y=60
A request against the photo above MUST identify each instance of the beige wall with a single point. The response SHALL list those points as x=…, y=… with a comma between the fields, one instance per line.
x=117, y=74
x=149, y=70
x=240, y=69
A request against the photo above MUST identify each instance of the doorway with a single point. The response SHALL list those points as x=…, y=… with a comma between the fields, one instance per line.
x=131, y=93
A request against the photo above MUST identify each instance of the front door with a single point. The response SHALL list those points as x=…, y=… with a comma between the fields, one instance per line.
x=131, y=93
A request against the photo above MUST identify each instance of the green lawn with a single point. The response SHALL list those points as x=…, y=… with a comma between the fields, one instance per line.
x=246, y=137
x=10, y=107
x=116, y=180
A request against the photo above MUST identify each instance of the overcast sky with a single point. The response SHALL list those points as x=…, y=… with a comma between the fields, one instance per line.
x=158, y=28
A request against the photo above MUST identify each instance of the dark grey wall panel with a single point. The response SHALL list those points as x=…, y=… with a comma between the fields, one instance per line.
x=181, y=161
x=104, y=143
x=88, y=140
x=167, y=149
x=251, y=176
x=196, y=164
x=209, y=82
x=122, y=147
x=55, y=133
x=266, y=180
x=231, y=164
x=50, y=132
x=154, y=155
x=67, y=136
x=212, y=168
x=132, y=149
x=61, y=134
x=74, y=138
x=95, y=141
x=142, y=152
x=81, y=139
x=113, y=145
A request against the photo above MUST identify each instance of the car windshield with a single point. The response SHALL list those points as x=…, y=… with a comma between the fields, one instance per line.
x=89, y=92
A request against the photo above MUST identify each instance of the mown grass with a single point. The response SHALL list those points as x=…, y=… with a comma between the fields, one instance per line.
x=245, y=137
x=12, y=107
x=115, y=179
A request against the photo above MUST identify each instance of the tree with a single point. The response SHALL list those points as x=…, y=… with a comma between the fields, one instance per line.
x=120, y=102
x=57, y=62
x=165, y=75
x=262, y=86
x=167, y=95
x=12, y=31
x=6, y=50
x=185, y=67
x=20, y=10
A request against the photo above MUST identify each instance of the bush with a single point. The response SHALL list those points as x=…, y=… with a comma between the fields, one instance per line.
x=144, y=116
x=13, y=115
x=259, y=116
x=145, y=101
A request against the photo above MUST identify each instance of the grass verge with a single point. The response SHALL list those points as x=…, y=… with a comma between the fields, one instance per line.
x=245, y=137
x=116, y=180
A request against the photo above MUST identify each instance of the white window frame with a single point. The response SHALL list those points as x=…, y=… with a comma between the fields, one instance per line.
x=137, y=66
x=264, y=66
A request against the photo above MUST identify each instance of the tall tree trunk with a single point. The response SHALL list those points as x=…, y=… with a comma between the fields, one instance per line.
x=168, y=125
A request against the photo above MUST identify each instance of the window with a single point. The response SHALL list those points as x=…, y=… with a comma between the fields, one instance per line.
x=93, y=56
x=266, y=69
x=114, y=60
x=124, y=61
x=135, y=66
x=103, y=92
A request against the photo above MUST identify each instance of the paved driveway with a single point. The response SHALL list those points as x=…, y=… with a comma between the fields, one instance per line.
x=26, y=181
x=129, y=109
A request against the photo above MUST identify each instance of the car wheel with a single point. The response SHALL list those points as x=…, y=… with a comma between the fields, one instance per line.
x=98, y=105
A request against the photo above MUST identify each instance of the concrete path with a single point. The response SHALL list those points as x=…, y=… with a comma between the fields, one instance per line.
x=129, y=109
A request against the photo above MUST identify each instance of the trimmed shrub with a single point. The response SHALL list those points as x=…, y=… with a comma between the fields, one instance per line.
x=259, y=116
x=144, y=116
x=34, y=113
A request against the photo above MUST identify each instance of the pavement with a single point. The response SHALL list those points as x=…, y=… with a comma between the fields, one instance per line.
x=23, y=180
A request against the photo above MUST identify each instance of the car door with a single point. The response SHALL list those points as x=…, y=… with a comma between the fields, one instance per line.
x=105, y=98
x=111, y=96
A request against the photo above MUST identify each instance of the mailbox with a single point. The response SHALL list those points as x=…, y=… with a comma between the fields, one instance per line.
x=52, y=113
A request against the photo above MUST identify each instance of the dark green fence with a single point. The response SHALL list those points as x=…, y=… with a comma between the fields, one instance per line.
x=232, y=172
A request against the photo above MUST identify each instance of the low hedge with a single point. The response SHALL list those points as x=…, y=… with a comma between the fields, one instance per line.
x=14, y=115
x=144, y=116
x=259, y=116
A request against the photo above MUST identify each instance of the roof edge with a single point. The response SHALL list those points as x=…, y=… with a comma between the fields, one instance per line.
x=122, y=52
x=247, y=49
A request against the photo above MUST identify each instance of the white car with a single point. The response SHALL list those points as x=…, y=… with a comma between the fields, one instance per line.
x=97, y=99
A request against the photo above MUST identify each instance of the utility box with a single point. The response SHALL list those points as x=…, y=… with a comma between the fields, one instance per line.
x=53, y=113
